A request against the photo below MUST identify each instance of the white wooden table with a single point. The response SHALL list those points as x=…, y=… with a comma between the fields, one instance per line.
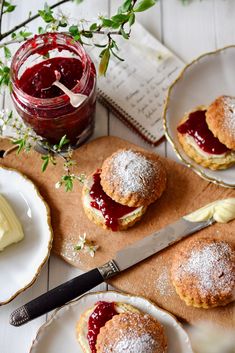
x=188, y=31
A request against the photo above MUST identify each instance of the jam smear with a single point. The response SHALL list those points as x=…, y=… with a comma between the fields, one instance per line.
x=197, y=127
x=37, y=80
x=103, y=312
x=111, y=210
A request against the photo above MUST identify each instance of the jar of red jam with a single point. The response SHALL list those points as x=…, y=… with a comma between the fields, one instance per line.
x=44, y=107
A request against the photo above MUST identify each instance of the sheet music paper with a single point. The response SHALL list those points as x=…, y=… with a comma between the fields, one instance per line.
x=136, y=88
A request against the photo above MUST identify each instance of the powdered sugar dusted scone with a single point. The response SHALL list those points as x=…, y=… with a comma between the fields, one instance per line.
x=133, y=178
x=200, y=144
x=203, y=273
x=220, y=117
x=104, y=211
x=132, y=333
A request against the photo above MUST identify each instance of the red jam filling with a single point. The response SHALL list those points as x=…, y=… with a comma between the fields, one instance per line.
x=197, y=127
x=103, y=312
x=37, y=80
x=110, y=209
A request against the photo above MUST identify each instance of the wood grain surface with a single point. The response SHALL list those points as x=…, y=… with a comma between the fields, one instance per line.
x=185, y=192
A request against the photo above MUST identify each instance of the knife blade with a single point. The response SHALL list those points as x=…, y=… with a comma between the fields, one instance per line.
x=125, y=258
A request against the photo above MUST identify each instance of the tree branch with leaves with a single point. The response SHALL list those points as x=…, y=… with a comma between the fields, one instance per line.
x=117, y=25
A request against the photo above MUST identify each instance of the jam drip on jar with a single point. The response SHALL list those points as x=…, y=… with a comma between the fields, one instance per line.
x=197, y=127
x=37, y=80
x=111, y=210
x=103, y=312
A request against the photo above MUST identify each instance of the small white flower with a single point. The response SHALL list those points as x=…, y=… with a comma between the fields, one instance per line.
x=85, y=245
x=58, y=184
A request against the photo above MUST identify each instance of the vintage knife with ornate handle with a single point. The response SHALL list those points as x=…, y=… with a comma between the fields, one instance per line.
x=125, y=258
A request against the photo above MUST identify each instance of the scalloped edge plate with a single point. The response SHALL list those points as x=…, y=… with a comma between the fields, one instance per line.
x=21, y=263
x=59, y=333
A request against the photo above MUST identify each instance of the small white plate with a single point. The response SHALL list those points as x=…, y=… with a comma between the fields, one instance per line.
x=20, y=263
x=207, y=77
x=59, y=333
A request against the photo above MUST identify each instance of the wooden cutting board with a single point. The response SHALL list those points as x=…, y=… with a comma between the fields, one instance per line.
x=185, y=192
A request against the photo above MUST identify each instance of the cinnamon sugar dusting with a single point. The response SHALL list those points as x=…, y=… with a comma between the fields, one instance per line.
x=213, y=267
x=135, y=171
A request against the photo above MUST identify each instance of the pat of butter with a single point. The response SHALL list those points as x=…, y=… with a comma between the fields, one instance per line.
x=221, y=211
x=10, y=228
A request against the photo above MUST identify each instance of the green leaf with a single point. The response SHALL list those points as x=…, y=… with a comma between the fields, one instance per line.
x=41, y=30
x=45, y=163
x=104, y=62
x=73, y=30
x=106, y=22
x=118, y=57
x=124, y=34
x=126, y=6
x=25, y=34
x=87, y=34
x=93, y=27
x=6, y=3
x=63, y=141
x=131, y=19
x=144, y=5
x=7, y=52
x=120, y=18
x=47, y=14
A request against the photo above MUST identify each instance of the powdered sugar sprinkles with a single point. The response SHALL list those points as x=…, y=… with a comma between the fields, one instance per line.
x=135, y=171
x=132, y=344
x=212, y=266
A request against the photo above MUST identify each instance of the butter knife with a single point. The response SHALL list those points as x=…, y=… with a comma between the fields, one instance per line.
x=125, y=258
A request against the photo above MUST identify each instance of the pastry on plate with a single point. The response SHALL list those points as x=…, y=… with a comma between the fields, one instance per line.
x=201, y=143
x=203, y=272
x=118, y=327
x=117, y=196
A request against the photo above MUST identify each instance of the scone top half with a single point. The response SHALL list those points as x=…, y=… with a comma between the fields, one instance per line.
x=133, y=178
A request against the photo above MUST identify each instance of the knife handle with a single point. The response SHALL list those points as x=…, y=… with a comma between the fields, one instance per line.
x=56, y=297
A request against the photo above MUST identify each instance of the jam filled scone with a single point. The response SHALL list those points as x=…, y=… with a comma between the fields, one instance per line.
x=203, y=273
x=104, y=211
x=133, y=178
x=119, y=327
x=117, y=196
x=201, y=144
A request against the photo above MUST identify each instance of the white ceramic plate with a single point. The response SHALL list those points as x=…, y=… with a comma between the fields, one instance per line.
x=59, y=335
x=20, y=263
x=209, y=76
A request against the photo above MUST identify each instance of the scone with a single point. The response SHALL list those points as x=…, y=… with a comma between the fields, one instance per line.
x=220, y=118
x=104, y=211
x=201, y=144
x=116, y=196
x=203, y=273
x=92, y=330
x=132, y=333
x=133, y=178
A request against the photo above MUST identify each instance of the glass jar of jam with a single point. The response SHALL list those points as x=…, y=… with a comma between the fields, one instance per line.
x=44, y=107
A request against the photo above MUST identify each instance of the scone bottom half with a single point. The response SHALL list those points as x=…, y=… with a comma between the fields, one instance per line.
x=200, y=143
x=104, y=211
x=119, y=327
x=116, y=196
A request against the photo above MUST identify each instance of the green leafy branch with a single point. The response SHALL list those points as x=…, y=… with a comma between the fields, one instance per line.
x=25, y=139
